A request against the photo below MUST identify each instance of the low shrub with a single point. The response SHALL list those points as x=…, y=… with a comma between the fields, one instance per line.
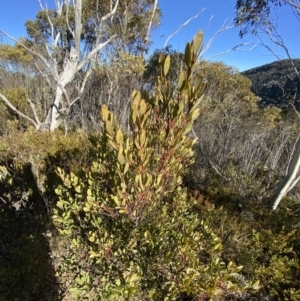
x=130, y=230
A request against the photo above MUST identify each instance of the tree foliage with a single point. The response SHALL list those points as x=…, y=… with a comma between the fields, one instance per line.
x=252, y=14
x=70, y=41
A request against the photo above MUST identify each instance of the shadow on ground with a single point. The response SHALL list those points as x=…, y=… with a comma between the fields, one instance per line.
x=26, y=267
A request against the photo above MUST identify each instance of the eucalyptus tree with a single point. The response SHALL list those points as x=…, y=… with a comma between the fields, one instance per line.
x=20, y=81
x=252, y=15
x=70, y=40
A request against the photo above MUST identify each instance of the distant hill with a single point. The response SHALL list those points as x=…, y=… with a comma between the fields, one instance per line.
x=276, y=83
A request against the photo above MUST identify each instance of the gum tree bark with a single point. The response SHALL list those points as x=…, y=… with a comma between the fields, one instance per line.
x=291, y=178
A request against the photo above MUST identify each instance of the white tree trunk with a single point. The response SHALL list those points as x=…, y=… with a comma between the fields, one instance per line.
x=291, y=178
x=72, y=66
x=65, y=77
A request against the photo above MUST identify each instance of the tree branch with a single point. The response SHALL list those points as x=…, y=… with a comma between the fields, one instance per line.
x=32, y=105
x=78, y=25
x=235, y=48
x=12, y=107
x=111, y=13
x=94, y=51
x=181, y=26
x=277, y=39
x=224, y=27
x=48, y=66
x=151, y=20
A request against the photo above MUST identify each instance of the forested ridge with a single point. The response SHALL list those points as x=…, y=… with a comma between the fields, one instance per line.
x=277, y=83
x=126, y=176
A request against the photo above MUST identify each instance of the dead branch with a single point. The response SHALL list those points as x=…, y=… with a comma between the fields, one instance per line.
x=182, y=25
x=12, y=107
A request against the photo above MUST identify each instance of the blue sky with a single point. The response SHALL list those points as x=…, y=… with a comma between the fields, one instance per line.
x=214, y=13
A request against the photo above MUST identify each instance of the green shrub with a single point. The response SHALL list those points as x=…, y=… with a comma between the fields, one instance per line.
x=129, y=229
x=266, y=244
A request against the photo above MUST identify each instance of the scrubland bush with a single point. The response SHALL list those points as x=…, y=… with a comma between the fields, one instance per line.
x=241, y=155
x=131, y=232
x=146, y=212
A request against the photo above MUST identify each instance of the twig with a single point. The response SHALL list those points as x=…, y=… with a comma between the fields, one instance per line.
x=181, y=26
x=32, y=105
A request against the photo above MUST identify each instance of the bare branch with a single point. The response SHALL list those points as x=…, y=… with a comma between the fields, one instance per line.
x=52, y=70
x=295, y=110
x=295, y=4
x=29, y=50
x=41, y=5
x=67, y=18
x=151, y=20
x=223, y=28
x=58, y=6
x=181, y=26
x=73, y=64
x=111, y=13
x=74, y=100
x=44, y=75
x=32, y=105
x=277, y=39
x=235, y=48
x=86, y=77
x=12, y=107
x=94, y=51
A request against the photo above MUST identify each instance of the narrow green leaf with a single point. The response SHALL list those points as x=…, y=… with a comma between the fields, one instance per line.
x=143, y=107
x=109, y=127
x=167, y=65
x=161, y=58
x=126, y=168
x=147, y=234
x=195, y=113
x=121, y=158
x=188, y=127
x=198, y=82
x=78, y=189
x=197, y=102
x=188, y=55
x=136, y=95
x=181, y=80
x=105, y=112
x=75, y=180
x=133, y=114
x=142, y=138
x=119, y=137
x=60, y=204
x=149, y=180
x=158, y=179
x=197, y=42
x=116, y=200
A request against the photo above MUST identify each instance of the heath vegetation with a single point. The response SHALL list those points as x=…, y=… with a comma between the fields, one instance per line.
x=126, y=178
